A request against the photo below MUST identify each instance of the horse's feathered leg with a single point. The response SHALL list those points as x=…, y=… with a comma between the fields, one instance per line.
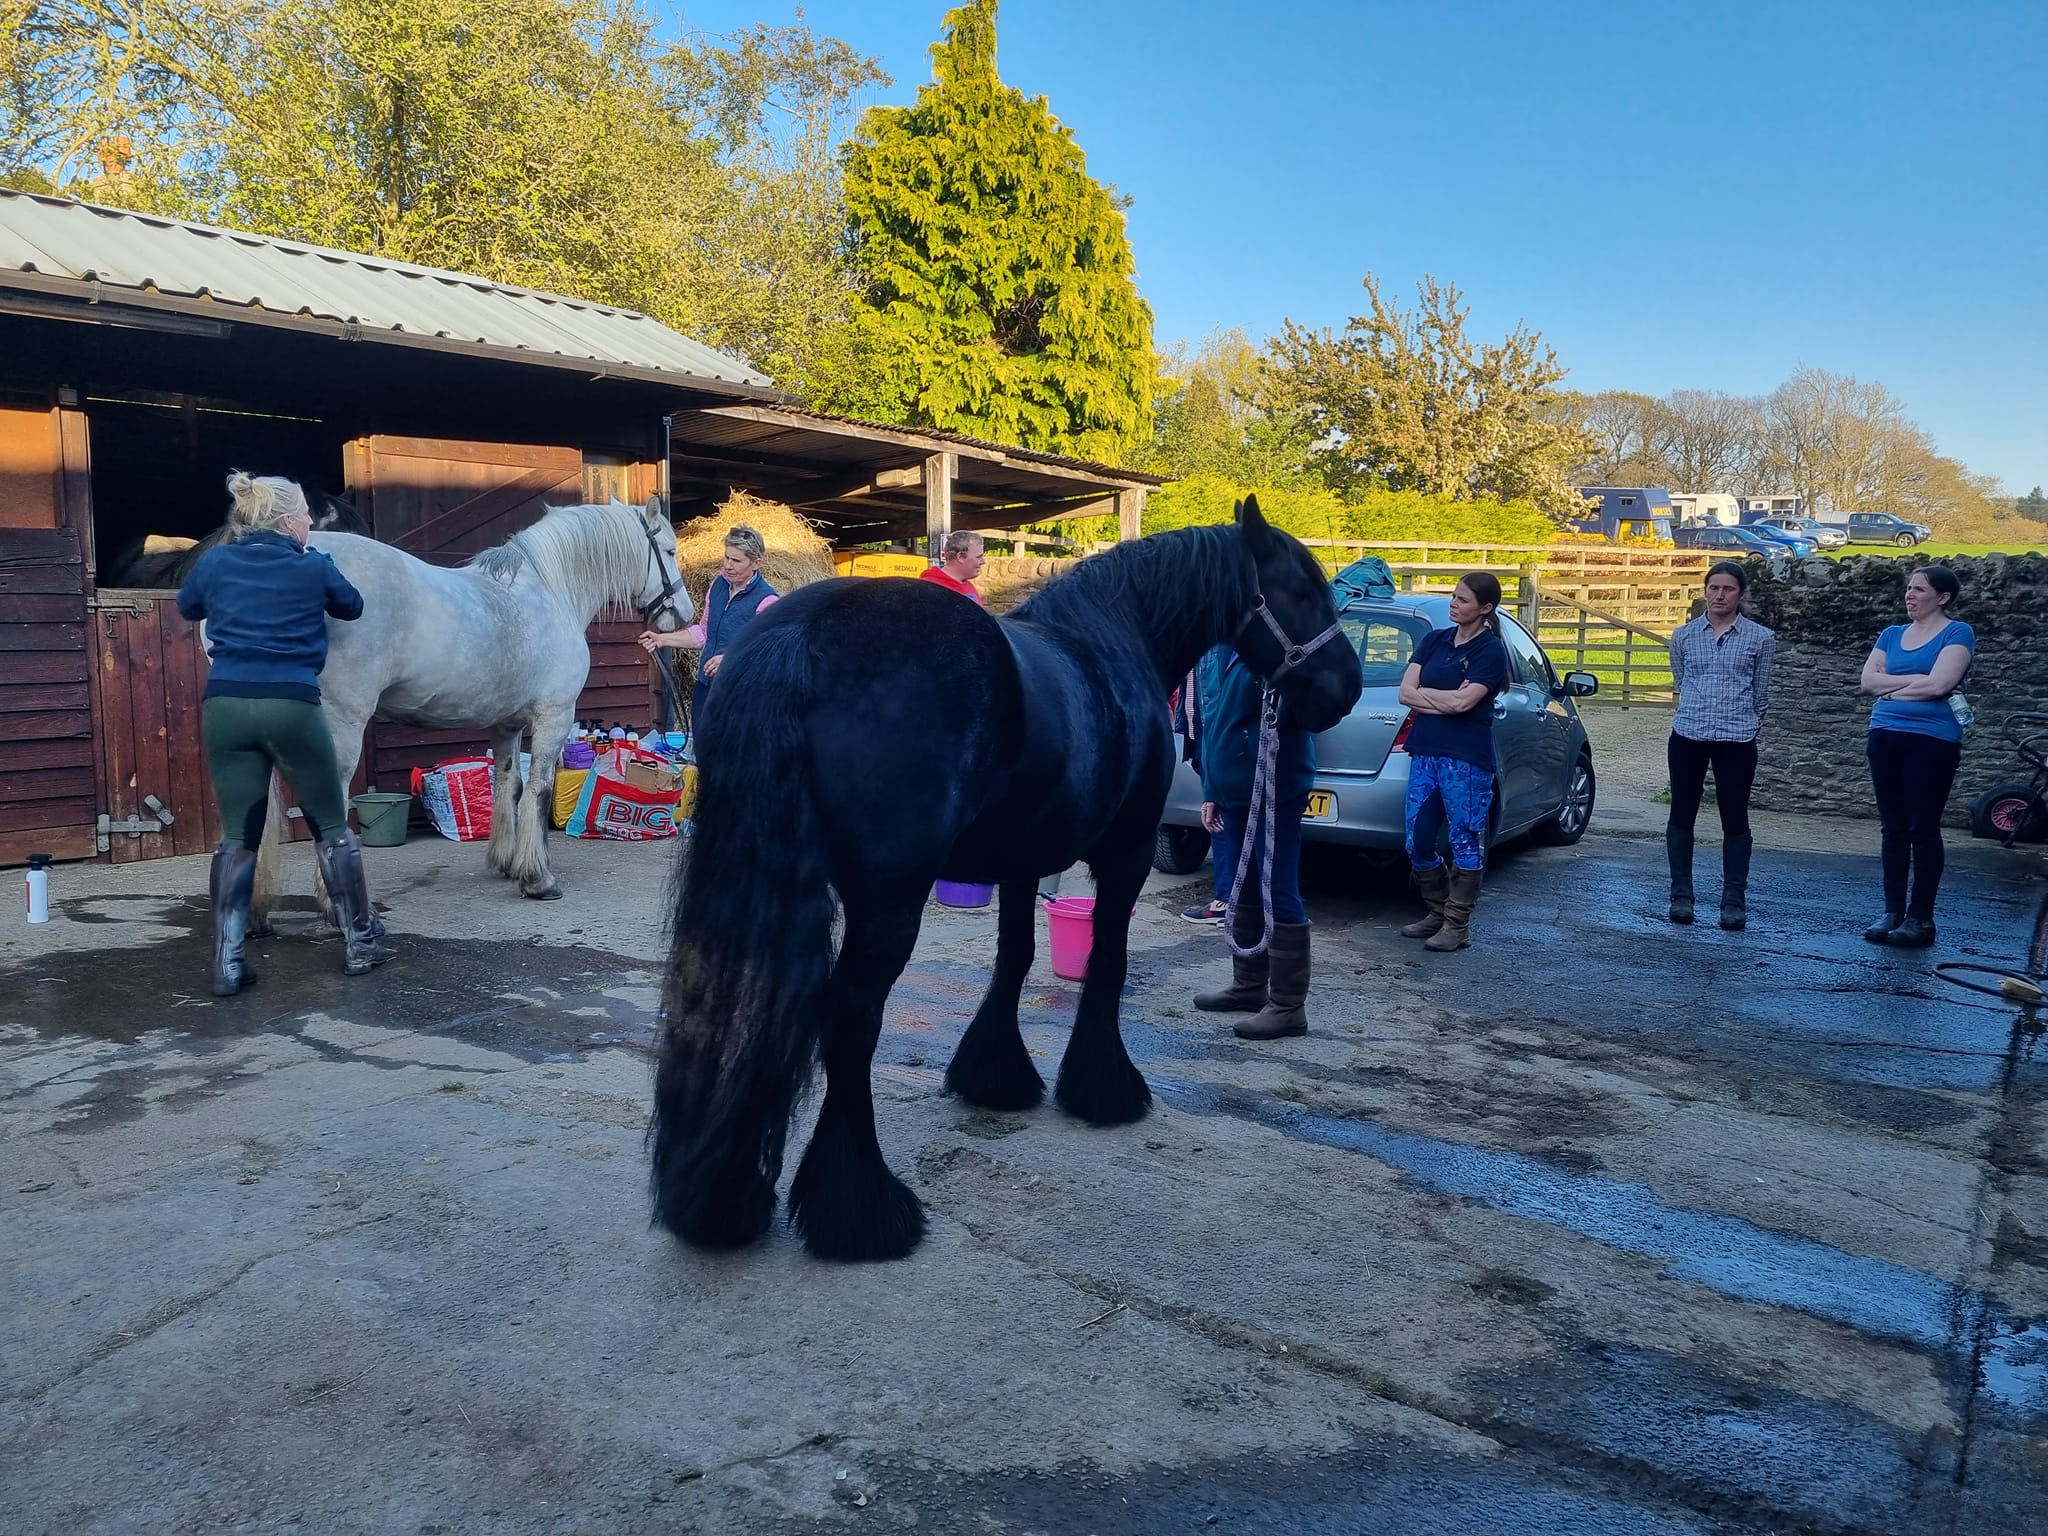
x=991, y=1068
x=844, y=1200
x=269, y=864
x=1097, y=1081
x=537, y=798
x=505, y=797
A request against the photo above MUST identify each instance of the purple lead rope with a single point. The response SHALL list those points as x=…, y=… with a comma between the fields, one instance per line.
x=1258, y=824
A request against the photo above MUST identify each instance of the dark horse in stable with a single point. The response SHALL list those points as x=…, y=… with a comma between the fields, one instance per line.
x=868, y=737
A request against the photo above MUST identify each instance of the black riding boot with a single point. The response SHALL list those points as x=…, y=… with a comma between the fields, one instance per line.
x=1248, y=973
x=1735, y=881
x=231, y=883
x=1678, y=850
x=341, y=866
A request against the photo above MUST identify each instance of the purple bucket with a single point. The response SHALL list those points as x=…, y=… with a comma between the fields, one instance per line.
x=952, y=893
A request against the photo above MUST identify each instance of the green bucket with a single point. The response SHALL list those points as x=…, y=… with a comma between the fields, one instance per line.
x=382, y=818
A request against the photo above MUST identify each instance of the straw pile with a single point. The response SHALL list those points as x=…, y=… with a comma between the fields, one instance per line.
x=797, y=556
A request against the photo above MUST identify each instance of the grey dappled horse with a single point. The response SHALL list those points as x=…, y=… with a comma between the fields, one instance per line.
x=497, y=644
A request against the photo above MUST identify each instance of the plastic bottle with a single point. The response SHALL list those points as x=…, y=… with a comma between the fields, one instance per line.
x=38, y=887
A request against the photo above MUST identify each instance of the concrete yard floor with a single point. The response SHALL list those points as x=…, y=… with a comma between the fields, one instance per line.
x=1601, y=1228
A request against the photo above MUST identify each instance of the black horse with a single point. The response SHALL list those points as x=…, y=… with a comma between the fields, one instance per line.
x=136, y=566
x=867, y=737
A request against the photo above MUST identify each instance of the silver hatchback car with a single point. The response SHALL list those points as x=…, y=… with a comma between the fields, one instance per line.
x=1544, y=783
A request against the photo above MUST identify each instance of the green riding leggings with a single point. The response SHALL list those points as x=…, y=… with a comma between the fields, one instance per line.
x=246, y=738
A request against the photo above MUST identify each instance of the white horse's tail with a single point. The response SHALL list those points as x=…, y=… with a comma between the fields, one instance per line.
x=269, y=857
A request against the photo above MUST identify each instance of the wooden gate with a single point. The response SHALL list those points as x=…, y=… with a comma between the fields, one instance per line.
x=443, y=501
x=149, y=677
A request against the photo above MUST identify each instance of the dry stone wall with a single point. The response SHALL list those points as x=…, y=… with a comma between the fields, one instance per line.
x=1828, y=614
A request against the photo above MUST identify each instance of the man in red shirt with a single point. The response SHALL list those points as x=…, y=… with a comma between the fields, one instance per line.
x=961, y=558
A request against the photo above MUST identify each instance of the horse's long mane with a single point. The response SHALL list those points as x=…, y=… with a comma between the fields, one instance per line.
x=1175, y=588
x=589, y=556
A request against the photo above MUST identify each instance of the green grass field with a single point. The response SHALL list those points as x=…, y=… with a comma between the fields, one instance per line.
x=1936, y=549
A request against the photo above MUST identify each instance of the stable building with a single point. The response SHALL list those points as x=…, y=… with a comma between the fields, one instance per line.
x=142, y=359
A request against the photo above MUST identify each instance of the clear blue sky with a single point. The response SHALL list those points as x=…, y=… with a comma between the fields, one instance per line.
x=1676, y=194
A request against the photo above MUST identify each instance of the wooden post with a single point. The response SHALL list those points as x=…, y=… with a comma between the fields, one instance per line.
x=1130, y=514
x=939, y=470
x=1532, y=602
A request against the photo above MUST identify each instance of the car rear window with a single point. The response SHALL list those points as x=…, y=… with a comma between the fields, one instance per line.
x=1385, y=640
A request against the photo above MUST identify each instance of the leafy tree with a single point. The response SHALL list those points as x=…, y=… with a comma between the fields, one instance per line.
x=558, y=144
x=1404, y=400
x=1219, y=418
x=1001, y=297
x=2033, y=506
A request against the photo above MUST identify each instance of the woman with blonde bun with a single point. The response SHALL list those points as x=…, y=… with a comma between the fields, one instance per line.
x=266, y=599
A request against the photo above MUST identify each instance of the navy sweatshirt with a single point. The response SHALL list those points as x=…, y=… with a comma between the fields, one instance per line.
x=266, y=600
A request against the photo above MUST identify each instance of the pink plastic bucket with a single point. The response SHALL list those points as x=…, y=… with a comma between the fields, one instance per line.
x=952, y=893
x=1070, y=922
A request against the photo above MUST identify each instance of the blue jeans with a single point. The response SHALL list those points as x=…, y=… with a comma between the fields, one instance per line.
x=1287, y=907
x=1222, y=860
x=1448, y=789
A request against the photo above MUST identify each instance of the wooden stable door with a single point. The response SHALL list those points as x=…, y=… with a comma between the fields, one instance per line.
x=149, y=676
x=444, y=501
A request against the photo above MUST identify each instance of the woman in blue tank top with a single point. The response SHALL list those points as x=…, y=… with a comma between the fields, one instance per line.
x=1916, y=672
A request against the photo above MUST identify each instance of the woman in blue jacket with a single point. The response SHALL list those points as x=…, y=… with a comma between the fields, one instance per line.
x=1273, y=985
x=737, y=593
x=266, y=599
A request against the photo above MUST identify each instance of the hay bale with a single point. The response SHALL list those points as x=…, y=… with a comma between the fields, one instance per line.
x=796, y=556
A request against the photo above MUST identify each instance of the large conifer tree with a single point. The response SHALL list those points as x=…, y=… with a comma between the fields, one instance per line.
x=1001, y=295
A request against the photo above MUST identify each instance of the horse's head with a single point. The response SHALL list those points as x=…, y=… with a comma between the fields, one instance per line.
x=335, y=514
x=663, y=600
x=1291, y=637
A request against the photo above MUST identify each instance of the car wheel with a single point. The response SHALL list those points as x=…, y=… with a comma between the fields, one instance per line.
x=2009, y=811
x=1576, y=814
x=1905, y=540
x=1179, y=850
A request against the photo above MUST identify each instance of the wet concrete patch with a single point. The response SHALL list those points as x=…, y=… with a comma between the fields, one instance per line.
x=149, y=1034
x=1732, y=1256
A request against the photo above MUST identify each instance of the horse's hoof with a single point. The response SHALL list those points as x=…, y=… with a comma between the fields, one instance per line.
x=552, y=893
x=1104, y=1096
x=262, y=930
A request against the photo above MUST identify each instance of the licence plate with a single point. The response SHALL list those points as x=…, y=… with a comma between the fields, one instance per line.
x=1322, y=806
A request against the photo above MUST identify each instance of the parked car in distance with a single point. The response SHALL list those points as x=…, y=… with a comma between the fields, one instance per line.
x=1886, y=528
x=1543, y=783
x=1826, y=535
x=1793, y=543
x=1733, y=541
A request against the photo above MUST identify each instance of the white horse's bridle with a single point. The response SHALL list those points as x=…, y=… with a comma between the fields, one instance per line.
x=671, y=583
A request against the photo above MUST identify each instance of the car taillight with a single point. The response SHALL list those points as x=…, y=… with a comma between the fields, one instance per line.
x=1401, y=736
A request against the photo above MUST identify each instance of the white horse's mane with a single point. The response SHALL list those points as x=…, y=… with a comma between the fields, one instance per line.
x=589, y=556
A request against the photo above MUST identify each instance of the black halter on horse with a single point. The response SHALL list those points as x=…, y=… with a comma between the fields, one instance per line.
x=662, y=602
x=907, y=735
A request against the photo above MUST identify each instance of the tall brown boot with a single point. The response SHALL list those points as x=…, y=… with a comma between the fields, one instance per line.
x=1286, y=1011
x=1456, y=932
x=1433, y=885
x=1247, y=990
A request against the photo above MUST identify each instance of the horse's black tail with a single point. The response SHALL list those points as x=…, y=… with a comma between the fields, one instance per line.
x=749, y=956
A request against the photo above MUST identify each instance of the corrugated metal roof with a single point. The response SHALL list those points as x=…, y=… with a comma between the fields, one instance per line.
x=63, y=238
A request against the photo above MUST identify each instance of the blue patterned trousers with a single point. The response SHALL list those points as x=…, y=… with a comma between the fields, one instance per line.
x=1448, y=790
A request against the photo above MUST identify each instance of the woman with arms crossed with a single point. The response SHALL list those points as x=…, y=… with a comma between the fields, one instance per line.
x=1451, y=683
x=1916, y=673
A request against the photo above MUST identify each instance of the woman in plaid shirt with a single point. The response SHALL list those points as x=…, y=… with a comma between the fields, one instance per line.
x=1721, y=666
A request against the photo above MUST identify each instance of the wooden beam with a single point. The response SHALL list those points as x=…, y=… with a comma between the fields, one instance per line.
x=938, y=500
x=1019, y=460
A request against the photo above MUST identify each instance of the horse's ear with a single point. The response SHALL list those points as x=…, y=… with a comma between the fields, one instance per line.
x=1252, y=523
x=653, y=514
